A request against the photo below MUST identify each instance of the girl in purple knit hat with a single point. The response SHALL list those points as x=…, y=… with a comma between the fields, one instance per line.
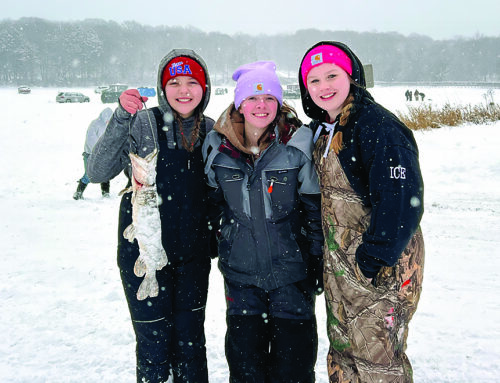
x=265, y=195
x=372, y=204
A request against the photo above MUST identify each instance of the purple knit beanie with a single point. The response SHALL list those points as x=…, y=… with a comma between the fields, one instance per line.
x=256, y=78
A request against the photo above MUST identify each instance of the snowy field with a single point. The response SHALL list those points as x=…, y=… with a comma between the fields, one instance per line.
x=63, y=315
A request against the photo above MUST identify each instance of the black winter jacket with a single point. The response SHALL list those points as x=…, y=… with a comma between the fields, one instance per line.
x=380, y=159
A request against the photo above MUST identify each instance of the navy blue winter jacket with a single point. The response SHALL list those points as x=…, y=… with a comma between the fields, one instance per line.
x=380, y=159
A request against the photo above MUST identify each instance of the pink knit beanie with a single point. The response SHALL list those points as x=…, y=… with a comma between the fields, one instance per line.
x=256, y=78
x=325, y=54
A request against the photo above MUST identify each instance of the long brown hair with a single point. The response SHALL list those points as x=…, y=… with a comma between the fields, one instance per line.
x=347, y=108
x=286, y=119
x=189, y=145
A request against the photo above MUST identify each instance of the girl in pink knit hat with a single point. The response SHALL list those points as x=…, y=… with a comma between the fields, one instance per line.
x=372, y=204
x=265, y=192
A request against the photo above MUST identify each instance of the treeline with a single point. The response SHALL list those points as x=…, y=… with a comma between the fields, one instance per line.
x=45, y=53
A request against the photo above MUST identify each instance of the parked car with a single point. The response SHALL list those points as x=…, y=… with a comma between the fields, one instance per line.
x=291, y=91
x=99, y=89
x=219, y=91
x=71, y=97
x=24, y=90
x=112, y=93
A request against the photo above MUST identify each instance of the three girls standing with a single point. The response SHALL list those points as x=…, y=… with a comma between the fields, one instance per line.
x=266, y=197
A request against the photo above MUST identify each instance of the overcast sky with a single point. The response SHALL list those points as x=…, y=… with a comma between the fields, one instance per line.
x=439, y=19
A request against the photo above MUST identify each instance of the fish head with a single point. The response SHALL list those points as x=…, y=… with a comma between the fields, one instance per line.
x=144, y=169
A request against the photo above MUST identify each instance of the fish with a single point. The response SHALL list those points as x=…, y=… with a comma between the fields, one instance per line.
x=146, y=224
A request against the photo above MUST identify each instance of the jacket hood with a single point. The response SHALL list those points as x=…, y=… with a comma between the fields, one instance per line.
x=358, y=75
x=231, y=124
x=105, y=115
x=162, y=99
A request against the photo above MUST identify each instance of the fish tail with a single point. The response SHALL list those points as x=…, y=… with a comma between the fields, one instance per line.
x=148, y=288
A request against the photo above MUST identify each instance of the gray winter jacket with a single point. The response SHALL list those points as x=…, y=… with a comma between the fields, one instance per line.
x=271, y=208
x=96, y=129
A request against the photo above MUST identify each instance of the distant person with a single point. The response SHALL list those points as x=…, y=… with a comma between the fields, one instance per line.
x=408, y=95
x=94, y=131
x=416, y=94
x=422, y=96
x=372, y=204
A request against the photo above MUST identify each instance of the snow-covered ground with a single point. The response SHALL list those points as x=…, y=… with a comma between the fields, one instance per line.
x=63, y=315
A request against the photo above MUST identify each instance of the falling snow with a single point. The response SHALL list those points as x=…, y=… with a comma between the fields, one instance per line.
x=64, y=315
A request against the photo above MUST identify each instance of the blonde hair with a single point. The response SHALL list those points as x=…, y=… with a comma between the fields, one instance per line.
x=337, y=144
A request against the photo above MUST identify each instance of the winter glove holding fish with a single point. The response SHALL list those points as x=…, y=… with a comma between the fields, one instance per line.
x=146, y=224
x=131, y=100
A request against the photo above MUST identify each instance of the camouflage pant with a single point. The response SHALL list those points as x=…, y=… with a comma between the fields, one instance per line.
x=368, y=325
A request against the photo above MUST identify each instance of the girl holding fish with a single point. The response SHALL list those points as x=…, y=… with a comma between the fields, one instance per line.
x=163, y=234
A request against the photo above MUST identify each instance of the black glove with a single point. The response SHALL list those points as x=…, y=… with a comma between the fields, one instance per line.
x=315, y=274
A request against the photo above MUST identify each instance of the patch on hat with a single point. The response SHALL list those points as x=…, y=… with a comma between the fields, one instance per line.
x=317, y=59
x=258, y=87
x=179, y=68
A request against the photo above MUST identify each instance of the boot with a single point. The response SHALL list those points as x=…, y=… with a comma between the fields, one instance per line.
x=294, y=347
x=79, y=190
x=105, y=189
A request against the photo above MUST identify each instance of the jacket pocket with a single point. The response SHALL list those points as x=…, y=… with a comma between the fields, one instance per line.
x=236, y=249
x=281, y=191
x=287, y=246
x=226, y=239
x=232, y=181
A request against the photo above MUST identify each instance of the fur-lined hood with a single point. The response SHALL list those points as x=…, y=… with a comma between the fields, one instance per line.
x=231, y=124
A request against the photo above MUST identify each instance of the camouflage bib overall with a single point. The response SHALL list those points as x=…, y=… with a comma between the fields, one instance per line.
x=367, y=325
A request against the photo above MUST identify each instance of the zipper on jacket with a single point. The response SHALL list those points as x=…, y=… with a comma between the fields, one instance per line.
x=274, y=180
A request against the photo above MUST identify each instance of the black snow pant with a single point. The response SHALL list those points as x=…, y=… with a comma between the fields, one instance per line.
x=273, y=346
x=169, y=328
x=279, y=351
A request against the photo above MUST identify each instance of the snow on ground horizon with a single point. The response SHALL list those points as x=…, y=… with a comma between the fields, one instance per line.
x=63, y=313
